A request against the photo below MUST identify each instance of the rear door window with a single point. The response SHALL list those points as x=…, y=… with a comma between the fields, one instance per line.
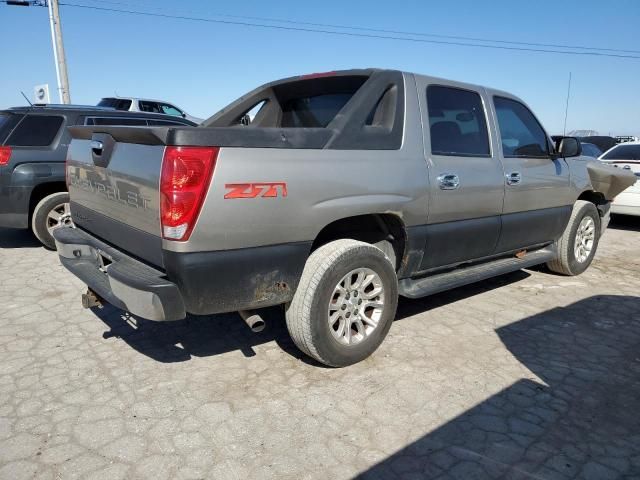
x=117, y=103
x=35, y=131
x=520, y=133
x=150, y=107
x=457, y=122
x=623, y=152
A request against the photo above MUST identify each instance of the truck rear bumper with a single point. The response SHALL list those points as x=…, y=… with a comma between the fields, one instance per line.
x=119, y=279
x=201, y=283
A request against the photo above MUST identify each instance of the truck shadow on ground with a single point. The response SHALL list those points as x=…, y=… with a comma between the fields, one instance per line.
x=202, y=336
x=582, y=422
x=16, y=238
x=625, y=222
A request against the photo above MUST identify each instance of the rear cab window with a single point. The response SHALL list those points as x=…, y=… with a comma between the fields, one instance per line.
x=315, y=111
x=457, y=122
x=355, y=110
x=36, y=131
x=521, y=135
x=305, y=103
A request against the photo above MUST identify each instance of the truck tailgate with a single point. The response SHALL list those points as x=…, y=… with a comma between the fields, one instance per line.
x=114, y=190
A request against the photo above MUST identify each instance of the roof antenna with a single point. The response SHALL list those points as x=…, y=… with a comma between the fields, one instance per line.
x=26, y=98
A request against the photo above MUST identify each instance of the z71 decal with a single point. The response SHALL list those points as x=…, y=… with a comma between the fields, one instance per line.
x=253, y=190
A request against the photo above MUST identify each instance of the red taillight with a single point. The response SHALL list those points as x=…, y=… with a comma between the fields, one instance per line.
x=5, y=155
x=185, y=178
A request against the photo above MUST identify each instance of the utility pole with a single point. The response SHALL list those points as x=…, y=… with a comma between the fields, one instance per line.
x=58, y=51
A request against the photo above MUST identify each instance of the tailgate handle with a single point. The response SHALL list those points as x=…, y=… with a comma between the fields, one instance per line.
x=97, y=146
x=102, y=145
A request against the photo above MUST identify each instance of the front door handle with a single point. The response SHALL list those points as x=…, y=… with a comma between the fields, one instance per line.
x=514, y=178
x=448, y=181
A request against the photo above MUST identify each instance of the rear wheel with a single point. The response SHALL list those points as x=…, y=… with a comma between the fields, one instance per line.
x=345, y=303
x=50, y=213
x=577, y=245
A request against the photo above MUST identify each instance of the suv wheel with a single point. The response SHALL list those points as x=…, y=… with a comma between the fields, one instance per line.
x=345, y=303
x=50, y=213
x=577, y=245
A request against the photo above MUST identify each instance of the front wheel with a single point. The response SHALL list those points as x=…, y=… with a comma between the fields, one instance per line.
x=344, y=304
x=577, y=245
x=50, y=213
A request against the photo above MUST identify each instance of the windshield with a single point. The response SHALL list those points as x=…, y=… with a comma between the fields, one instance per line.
x=623, y=152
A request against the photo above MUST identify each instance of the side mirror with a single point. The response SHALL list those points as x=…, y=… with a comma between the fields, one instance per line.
x=569, y=147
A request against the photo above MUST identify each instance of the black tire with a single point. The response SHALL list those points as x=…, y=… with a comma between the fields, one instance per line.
x=566, y=262
x=307, y=314
x=40, y=218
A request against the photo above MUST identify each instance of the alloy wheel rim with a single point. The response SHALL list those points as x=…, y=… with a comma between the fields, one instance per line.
x=59, y=216
x=585, y=237
x=356, y=306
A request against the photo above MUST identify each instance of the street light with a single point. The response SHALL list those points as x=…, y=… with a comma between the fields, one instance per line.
x=56, y=40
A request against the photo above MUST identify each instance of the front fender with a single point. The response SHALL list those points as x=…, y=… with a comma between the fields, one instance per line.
x=609, y=180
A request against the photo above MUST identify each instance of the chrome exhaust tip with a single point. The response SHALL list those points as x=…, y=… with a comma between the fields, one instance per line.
x=253, y=320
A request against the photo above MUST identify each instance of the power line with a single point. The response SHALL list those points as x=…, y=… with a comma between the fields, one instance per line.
x=397, y=32
x=418, y=34
x=599, y=53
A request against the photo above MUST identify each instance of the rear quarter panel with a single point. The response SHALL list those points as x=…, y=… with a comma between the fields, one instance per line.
x=321, y=186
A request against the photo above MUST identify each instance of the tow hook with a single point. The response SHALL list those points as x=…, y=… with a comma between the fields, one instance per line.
x=253, y=320
x=91, y=299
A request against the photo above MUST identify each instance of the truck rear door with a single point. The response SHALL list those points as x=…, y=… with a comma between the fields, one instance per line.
x=465, y=176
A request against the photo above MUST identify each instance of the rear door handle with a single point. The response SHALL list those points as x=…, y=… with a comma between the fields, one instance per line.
x=514, y=178
x=448, y=181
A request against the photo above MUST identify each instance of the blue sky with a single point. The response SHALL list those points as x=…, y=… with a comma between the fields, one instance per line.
x=203, y=66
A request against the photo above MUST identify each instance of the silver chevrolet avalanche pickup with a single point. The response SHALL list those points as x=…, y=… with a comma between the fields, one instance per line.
x=330, y=194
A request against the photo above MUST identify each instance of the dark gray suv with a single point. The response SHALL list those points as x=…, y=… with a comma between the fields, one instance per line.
x=33, y=149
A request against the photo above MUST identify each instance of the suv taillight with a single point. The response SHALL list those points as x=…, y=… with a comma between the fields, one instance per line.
x=184, y=182
x=5, y=155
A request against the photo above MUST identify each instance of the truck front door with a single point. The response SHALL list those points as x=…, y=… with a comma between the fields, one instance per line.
x=537, y=200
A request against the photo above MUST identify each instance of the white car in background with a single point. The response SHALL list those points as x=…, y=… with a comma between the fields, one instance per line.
x=627, y=156
x=132, y=104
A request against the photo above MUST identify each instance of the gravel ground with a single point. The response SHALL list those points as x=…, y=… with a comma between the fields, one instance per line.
x=531, y=376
